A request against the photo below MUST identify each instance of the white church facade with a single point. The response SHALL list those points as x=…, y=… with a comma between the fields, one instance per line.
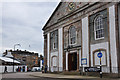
x=77, y=31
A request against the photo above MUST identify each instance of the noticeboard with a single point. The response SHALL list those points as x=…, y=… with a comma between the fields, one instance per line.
x=92, y=69
x=84, y=61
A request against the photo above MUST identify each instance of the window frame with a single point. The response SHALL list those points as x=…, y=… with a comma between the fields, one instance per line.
x=53, y=47
x=70, y=35
x=99, y=29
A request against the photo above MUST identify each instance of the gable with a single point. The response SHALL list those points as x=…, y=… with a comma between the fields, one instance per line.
x=63, y=9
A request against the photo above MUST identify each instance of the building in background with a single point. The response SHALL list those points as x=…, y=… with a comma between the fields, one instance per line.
x=11, y=64
x=27, y=58
x=77, y=31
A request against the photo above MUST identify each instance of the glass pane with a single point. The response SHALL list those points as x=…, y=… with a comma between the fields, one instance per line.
x=72, y=34
x=99, y=27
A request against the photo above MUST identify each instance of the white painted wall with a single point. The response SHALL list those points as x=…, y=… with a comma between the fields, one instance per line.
x=60, y=49
x=80, y=57
x=85, y=40
x=103, y=59
x=94, y=47
x=104, y=45
x=66, y=60
x=113, y=49
x=51, y=60
x=48, y=40
x=10, y=68
x=54, y=53
x=55, y=61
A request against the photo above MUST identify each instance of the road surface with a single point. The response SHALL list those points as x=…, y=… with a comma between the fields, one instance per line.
x=26, y=76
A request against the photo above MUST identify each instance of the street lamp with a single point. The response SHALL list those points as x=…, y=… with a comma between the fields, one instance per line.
x=13, y=56
x=16, y=45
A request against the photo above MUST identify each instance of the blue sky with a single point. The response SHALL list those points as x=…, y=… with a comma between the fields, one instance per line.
x=22, y=23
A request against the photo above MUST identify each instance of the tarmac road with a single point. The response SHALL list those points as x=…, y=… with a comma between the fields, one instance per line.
x=18, y=75
x=27, y=76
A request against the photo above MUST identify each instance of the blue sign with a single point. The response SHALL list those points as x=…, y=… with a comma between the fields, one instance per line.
x=99, y=55
x=84, y=61
x=42, y=61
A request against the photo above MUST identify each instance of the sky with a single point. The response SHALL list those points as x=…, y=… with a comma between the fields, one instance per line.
x=22, y=23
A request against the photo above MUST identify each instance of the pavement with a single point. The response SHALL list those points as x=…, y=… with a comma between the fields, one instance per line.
x=18, y=75
x=72, y=77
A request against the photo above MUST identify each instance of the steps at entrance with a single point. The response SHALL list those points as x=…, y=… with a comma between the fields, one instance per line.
x=70, y=73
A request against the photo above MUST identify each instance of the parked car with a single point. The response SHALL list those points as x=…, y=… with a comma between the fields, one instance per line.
x=34, y=69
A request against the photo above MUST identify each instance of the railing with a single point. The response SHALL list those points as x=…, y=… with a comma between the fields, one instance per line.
x=106, y=72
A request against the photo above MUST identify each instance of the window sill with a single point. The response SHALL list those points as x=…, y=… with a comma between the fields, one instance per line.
x=99, y=38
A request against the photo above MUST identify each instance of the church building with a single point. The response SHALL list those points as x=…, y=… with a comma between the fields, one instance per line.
x=77, y=31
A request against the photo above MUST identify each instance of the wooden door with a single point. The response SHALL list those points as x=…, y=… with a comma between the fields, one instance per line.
x=72, y=61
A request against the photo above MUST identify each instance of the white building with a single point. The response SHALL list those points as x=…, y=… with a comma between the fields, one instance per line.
x=77, y=31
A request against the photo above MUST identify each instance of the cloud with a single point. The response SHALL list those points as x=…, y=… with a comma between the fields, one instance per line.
x=23, y=22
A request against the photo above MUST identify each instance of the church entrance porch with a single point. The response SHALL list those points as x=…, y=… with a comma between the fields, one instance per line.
x=72, y=61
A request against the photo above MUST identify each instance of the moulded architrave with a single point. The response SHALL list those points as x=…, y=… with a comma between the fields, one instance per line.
x=48, y=40
x=117, y=20
x=85, y=40
x=66, y=61
x=53, y=54
x=60, y=49
x=112, y=31
x=109, y=40
x=103, y=46
x=118, y=25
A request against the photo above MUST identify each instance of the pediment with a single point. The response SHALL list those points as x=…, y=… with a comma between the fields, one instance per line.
x=64, y=8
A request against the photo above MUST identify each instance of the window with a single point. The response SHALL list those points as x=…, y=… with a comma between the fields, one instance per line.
x=24, y=58
x=54, y=61
x=33, y=62
x=72, y=35
x=98, y=28
x=54, y=40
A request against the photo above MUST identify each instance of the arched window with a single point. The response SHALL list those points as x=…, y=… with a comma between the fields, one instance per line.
x=72, y=35
x=54, y=62
x=54, y=40
x=98, y=28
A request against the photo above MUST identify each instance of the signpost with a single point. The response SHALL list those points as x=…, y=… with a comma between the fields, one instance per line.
x=99, y=56
x=83, y=62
